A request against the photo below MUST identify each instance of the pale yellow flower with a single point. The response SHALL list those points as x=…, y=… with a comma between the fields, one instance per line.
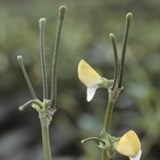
x=87, y=74
x=89, y=77
x=129, y=145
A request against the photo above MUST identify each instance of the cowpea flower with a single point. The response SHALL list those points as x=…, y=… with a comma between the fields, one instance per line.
x=129, y=145
x=89, y=77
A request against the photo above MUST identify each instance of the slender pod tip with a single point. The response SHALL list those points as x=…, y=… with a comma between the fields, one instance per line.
x=21, y=108
x=62, y=10
x=82, y=141
x=111, y=35
x=19, y=57
x=42, y=22
x=129, y=16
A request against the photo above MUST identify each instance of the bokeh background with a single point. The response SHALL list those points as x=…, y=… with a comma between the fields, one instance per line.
x=85, y=36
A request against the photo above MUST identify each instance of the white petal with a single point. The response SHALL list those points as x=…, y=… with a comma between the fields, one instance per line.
x=137, y=157
x=91, y=92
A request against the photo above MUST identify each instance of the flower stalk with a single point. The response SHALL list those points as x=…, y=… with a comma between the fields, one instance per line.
x=43, y=107
x=92, y=80
x=45, y=135
x=115, y=90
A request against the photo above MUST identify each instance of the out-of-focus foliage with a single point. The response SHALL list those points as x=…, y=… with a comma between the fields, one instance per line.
x=85, y=35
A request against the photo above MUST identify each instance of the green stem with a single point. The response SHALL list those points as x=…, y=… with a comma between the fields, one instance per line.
x=116, y=89
x=45, y=136
x=108, y=116
x=104, y=155
x=113, y=95
x=107, y=121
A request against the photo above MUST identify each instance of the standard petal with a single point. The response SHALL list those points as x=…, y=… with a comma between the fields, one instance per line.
x=137, y=157
x=91, y=92
x=87, y=74
x=129, y=144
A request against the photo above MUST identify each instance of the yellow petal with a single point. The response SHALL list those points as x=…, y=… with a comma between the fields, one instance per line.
x=129, y=144
x=87, y=74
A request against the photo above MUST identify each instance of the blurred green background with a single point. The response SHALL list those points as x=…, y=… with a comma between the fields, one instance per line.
x=85, y=33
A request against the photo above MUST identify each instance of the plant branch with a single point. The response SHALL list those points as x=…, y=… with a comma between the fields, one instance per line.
x=42, y=23
x=125, y=38
x=112, y=37
x=55, y=57
x=45, y=136
x=20, y=60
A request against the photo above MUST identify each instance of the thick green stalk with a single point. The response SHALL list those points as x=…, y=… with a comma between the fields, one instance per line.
x=108, y=116
x=45, y=136
x=104, y=155
x=107, y=120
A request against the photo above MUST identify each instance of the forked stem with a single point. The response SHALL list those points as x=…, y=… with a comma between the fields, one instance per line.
x=116, y=88
x=44, y=107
